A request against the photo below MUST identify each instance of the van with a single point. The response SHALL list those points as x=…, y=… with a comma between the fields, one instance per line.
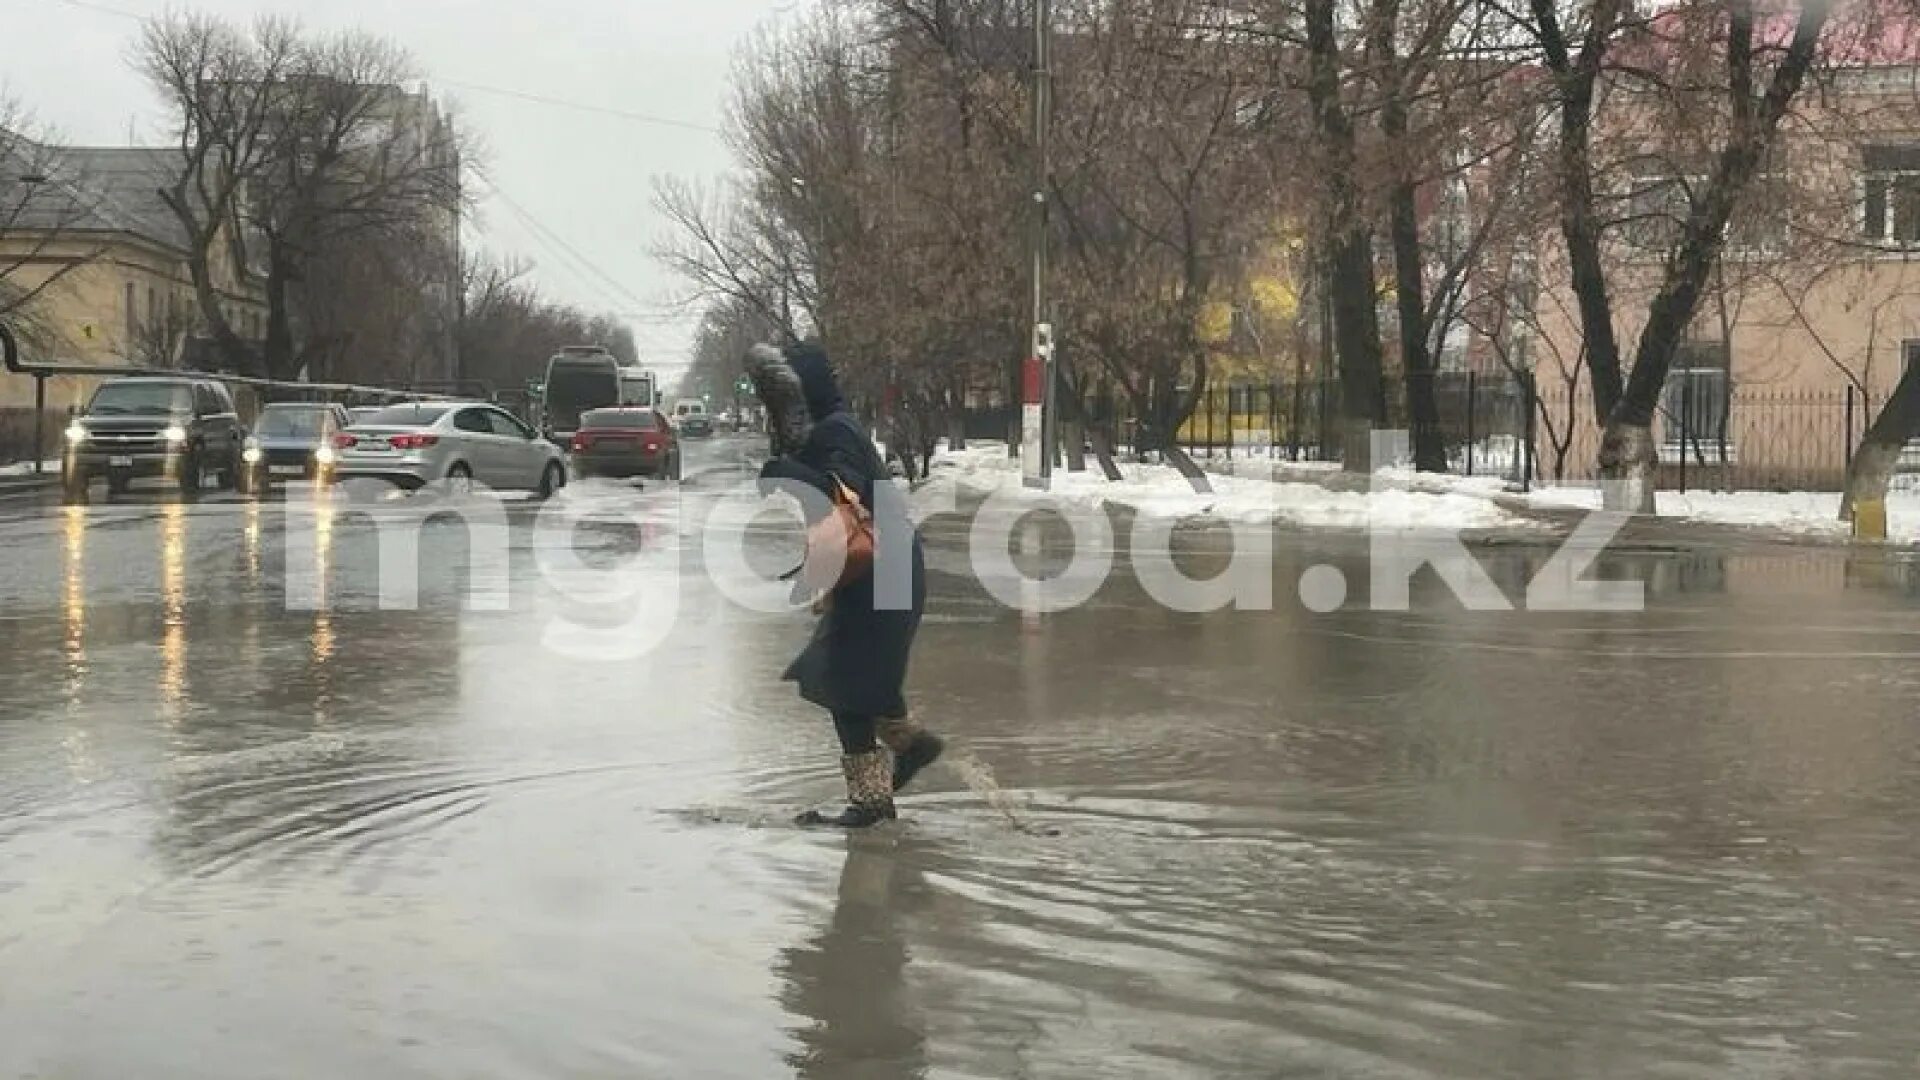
x=690, y=417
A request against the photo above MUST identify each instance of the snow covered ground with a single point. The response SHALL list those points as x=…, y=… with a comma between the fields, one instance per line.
x=1159, y=491
x=1808, y=513
x=1246, y=489
x=25, y=468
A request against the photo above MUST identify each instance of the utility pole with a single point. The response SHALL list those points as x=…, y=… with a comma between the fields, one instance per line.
x=1036, y=466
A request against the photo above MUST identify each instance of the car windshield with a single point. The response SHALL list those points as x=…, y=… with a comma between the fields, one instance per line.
x=293, y=421
x=141, y=398
x=619, y=419
x=405, y=416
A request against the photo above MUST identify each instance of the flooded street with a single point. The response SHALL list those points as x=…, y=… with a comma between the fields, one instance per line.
x=238, y=840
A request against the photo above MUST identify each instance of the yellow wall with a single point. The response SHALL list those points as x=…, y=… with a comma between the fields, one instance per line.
x=86, y=309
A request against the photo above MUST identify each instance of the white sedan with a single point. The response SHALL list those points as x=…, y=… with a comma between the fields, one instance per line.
x=460, y=443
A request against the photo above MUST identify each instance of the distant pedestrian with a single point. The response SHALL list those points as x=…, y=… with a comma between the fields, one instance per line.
x=855, y=666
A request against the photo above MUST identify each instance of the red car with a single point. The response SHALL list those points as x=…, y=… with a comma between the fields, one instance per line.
x=630, y=441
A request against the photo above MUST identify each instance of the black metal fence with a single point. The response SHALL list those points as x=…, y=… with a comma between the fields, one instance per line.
x=1709, y=435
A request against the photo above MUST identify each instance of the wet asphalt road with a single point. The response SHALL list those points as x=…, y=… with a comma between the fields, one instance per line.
x=239, y=840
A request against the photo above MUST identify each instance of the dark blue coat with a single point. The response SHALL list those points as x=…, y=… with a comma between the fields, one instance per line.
x=857, y=659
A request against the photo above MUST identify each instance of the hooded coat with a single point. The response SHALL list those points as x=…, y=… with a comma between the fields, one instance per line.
x=857, y=659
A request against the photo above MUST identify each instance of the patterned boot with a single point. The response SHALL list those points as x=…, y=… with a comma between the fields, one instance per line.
x=914, y=747
x=869, y=793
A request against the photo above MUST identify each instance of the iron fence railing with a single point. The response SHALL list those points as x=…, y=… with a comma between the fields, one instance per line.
x=1710, y=433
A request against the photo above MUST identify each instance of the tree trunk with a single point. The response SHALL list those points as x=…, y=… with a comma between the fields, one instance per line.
x=1410, y=285
x=1102, y=440
x=1073, y=436
x=956, y=420
x=1190, y=469
x=277, y=352
x=1180, y=410
x=1871, y=469
x=1418, y=368
x=233, y=351
x=1575, y=77
x=1356, y=321
x=1627, y=463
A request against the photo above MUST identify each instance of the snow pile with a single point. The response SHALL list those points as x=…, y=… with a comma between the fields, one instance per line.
x=1807, y=513
x=1159, y=491
x=25, y=468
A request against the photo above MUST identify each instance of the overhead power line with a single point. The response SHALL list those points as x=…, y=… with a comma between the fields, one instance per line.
x=582, y=106
x=479, y=88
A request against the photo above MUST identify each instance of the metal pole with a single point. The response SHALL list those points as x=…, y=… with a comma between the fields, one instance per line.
x=1472, y=387
x=1273, y=423
x=1846, y=449
x=1042, y=112
x=39, y=421
x=1211, y=396
x=1686, y=417
x=1532, y=427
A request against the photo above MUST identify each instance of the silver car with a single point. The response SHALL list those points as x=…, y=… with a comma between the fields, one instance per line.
x=460, y=442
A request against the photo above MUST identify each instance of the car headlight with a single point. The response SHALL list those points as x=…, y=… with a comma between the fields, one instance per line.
x=324, y=455
x=76, y=433
x=175, y=435
x=251, y=455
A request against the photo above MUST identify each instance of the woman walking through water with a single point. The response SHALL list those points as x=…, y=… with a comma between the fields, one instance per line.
x=856, y=663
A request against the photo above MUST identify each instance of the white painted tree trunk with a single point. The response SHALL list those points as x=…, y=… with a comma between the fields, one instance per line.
x=1627, y=463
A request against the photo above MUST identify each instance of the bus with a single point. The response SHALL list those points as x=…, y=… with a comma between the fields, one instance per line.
x=637, y=387
x=579, y=378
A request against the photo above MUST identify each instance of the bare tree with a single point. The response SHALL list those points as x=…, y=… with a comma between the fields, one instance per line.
x=219, y=84
x=293, y=148
x=43, y=200
x=1738, y=73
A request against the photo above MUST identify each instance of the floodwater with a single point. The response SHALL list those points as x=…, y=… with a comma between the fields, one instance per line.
x=238, y=840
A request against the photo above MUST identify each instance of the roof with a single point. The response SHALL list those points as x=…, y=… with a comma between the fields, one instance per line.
x=1857, y=34
x=91, y=189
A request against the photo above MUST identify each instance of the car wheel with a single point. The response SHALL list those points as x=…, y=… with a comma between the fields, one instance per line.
x=675, y=477
x=551, y=480
x=459, y=479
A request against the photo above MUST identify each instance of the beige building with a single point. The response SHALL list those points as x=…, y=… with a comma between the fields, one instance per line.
x=94, y=267
x=1810, y=320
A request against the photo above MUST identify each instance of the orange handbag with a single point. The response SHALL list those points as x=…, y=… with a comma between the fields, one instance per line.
x=839, y=545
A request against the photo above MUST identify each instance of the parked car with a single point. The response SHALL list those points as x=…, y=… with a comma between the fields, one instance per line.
x=460, y=442
x=631, y=441
x=146, y=426
x=293, y=438
x=692, y=419
x=361, y=412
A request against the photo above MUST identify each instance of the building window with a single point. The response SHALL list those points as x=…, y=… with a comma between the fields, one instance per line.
x=1694, y=404
x=1890, y=195
x=1656, y=206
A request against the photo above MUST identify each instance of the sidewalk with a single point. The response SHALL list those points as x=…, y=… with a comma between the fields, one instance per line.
x=1320, y=494
x=1254, y=493
x=18, y=479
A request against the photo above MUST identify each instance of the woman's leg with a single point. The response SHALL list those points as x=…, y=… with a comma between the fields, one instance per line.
x=869, y=775
x=856, y=731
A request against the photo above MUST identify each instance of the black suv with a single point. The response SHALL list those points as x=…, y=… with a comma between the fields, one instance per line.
x=177, y=428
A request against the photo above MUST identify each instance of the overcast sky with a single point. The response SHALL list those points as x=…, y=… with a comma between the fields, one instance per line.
x=584, y=177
